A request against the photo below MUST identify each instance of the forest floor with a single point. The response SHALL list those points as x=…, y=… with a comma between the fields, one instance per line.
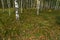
x=45, y=26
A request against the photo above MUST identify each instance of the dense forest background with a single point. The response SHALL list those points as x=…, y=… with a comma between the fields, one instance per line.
x=32, y=3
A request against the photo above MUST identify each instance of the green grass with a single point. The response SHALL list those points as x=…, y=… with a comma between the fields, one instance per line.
x=45, y=26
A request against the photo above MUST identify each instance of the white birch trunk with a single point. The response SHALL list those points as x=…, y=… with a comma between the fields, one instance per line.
x=38, y=6
x=2, y=5
x=16, y=10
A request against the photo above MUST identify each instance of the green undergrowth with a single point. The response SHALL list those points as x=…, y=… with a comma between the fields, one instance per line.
x=30, y=26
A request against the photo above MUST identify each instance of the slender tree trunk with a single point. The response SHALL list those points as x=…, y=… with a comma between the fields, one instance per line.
x=8, y=2
x=31, y=3
x=38, y=6
x=13, y=3
x=57, y=4
x=21, y=6
x=41, y=5
x=16, y=9
x=2, y=4
x=27, y=4
x=19, y=3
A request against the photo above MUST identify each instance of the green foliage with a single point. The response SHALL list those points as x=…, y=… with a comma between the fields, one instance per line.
x=30, y=26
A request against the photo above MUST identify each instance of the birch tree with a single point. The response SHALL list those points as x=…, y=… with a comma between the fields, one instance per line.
x=8, y=2
x=38, y=5
x=2, y=4
x=16, y=9
x=57, y=4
